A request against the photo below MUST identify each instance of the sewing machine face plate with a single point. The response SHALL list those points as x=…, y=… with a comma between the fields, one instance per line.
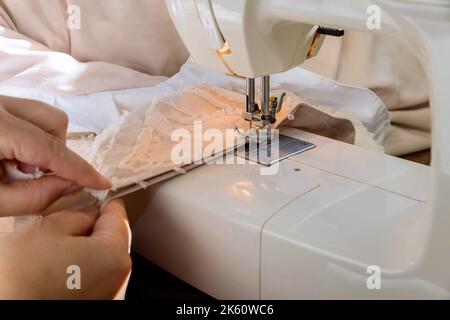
x=280, y=149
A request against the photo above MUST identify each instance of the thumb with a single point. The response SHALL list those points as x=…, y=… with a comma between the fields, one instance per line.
x=32, y=196
x=113, y=224
x=75, y=223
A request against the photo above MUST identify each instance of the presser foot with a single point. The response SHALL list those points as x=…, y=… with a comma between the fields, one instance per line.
x=279, y=148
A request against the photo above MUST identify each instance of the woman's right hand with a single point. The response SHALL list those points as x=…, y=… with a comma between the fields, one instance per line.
x=36, y=259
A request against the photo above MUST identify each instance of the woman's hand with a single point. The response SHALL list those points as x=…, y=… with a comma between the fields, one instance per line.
x=35, y=259
x=33, y=134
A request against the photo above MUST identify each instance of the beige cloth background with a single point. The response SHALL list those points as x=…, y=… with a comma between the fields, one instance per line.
x=138, y=34
x=382, y=64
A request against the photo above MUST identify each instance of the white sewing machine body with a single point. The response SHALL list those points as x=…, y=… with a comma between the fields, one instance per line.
x=313, y=229
x=310, y=231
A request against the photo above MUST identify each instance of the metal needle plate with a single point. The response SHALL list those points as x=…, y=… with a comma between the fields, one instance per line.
x=280, y=149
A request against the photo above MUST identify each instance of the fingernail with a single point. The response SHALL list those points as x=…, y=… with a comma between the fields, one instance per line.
x=92, y=203
x=90, y=210
x=106, y=182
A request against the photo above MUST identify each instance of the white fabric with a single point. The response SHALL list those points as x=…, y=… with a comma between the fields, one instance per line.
x=140, y=145
x=95, y=112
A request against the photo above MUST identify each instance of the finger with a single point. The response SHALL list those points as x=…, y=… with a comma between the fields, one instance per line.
x=44, y=116
x=32, y=196
x=75, y=222
x=113, y=224
x=78, y=197
x=29, y=144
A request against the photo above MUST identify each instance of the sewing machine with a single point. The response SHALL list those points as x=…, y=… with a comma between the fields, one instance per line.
x=337, y=221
